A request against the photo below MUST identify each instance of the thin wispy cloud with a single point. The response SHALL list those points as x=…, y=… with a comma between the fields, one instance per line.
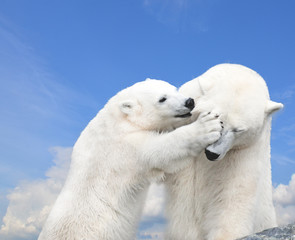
x=27, y=80
x=286, y=133
x=283, y=160
x=287, y=129
x=286, y=95
x=34, y=104
x=27, y=85
x=181, y=15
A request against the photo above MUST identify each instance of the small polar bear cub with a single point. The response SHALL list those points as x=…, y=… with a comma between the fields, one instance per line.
x=130, y=143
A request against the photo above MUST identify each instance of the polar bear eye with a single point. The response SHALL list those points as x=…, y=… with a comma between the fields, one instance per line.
x=238, y=130
x=163, y=99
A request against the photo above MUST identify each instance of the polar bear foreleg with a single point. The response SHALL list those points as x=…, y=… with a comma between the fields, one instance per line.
x=173, y=150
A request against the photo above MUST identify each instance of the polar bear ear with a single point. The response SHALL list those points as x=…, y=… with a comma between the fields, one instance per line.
x=127, y=106
x=204, y=84
x=272, y=107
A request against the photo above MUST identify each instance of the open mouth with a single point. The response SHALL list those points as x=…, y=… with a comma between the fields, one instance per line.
x=184, y=115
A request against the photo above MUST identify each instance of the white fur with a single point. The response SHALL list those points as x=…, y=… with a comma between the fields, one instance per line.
x=125, y=147
x=232, y=196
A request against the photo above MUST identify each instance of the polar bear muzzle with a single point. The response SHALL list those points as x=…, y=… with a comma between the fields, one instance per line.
x=190, y=104
x=211, y=155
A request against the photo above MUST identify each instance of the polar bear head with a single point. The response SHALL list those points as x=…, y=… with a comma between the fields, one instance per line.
x=241, y=96
x=153, y=105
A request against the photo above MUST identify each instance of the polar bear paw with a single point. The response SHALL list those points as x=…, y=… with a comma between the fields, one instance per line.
x=208, y=129
x=211, y=127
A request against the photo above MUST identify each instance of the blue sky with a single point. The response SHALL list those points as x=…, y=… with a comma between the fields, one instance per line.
x=60, y=61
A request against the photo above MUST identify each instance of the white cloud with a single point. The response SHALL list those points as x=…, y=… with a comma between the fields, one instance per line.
x=154, y=206
x=31, y=201
x=284, y=201
x=153, y=221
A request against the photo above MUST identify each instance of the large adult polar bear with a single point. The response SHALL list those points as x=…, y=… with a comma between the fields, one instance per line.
x=126, y=146
x=232, y=196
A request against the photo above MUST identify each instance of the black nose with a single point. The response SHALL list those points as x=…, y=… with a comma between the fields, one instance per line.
x=190, y=103
x=211, y=155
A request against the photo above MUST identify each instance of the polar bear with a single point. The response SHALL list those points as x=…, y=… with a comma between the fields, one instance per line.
x=130, y=143
x=231, y=195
